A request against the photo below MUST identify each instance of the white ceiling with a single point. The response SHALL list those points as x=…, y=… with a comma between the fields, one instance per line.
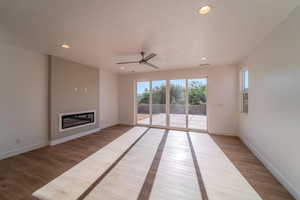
x=103, y=32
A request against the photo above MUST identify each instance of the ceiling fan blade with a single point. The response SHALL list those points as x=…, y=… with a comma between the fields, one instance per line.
x=150, y=65
x=149, y=56
x=130, y=62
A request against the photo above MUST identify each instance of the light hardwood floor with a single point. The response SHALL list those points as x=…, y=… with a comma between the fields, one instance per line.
x=221, y=179
x=130, y=173
x=75, y=182
x=21, y=175
x=176, y=176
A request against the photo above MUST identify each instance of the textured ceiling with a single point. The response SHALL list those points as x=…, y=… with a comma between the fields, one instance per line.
x=103, y=32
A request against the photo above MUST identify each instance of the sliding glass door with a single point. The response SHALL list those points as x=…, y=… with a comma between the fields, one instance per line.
x=159, y=116
x=197, y=101
x=143, y=102
x=178, y=104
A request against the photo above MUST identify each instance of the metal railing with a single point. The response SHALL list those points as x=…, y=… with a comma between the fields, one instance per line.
x=174, y=109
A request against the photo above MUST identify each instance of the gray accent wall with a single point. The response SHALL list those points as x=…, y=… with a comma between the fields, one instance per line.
x=65, y=77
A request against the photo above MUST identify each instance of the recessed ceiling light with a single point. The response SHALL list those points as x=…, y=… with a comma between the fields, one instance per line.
x=66, y=46
x=204, y=10
x=122, y=68
x=203, y=58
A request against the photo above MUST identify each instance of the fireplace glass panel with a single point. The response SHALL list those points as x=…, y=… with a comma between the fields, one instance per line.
x=80, y=119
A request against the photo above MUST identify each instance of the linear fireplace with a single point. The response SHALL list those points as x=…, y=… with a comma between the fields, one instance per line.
x=75, y=120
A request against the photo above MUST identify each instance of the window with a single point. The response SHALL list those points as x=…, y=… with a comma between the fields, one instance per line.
x=244, y=90
x=245, y=80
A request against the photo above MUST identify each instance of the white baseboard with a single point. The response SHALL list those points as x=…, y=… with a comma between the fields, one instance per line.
x=272, y=169
x=222, y=132
x=72, y=137
x=23, y=150
x=107, y=125
x=43, y=144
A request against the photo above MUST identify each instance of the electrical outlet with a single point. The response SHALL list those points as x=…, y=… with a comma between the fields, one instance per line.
x=18, y=141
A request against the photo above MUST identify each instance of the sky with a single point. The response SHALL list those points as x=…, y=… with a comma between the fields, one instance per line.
x=141, y=86
x=246, y=79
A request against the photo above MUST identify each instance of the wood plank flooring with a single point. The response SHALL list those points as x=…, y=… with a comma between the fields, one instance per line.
x=176, y=177
x=74, y=182
x=221, y=179
x=21, y=175
x=130, y=173
x=252, y=169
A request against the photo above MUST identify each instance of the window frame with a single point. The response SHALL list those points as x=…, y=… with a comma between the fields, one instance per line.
x=244, y=91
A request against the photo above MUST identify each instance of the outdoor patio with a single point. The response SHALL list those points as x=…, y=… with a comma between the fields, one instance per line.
x=176, y=120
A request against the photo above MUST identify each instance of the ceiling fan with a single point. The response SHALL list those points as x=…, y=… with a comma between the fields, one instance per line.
x=144, y=60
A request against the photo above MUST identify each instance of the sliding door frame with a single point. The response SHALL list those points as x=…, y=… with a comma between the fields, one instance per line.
x=150, y=103
x=167, y=126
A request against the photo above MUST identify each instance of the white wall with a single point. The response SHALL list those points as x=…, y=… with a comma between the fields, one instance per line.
x=222, y=83
x=23, y=98
x=272, y=128
x=109, y=107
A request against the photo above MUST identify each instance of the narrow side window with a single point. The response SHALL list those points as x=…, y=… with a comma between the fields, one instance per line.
x=244, y=90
